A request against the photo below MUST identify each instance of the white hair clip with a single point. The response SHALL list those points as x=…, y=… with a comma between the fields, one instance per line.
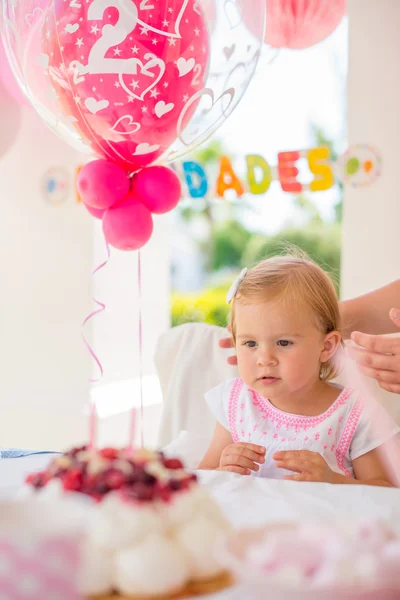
x=235, y=286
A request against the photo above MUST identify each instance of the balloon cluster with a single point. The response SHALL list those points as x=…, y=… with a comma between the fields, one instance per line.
x=125, y=204
x=135, y=83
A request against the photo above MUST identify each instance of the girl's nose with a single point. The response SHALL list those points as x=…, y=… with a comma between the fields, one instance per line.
x=266, y=358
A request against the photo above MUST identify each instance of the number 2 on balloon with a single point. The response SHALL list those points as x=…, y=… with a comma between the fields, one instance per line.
x=112, y=35
x=197, y=73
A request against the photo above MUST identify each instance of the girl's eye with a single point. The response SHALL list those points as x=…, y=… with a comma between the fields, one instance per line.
x=250, y=344
x=284, y=343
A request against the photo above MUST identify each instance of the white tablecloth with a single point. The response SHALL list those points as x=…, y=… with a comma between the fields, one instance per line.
x=250, y=501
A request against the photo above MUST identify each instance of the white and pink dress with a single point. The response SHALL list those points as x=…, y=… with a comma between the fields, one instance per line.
x=349, y=428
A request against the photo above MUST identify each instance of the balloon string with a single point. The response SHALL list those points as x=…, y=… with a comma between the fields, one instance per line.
x=100, y=309
x=133, y=413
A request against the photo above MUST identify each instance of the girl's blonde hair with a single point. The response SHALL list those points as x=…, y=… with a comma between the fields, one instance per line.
x=298, y=281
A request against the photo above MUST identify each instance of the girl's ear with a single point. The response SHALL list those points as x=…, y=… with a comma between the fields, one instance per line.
x=331, y=344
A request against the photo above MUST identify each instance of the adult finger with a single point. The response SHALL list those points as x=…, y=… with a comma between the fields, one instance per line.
x=394, y=388
x=381, y=375
x=232, y=360
x=373, y=360
x=376, y=343
x=226, y=342
x=395, y=316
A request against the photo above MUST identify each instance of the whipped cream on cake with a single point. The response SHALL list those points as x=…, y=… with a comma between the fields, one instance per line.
x=151, y=529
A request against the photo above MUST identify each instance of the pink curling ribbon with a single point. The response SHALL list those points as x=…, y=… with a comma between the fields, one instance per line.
x=100, y=309
x=133, y=412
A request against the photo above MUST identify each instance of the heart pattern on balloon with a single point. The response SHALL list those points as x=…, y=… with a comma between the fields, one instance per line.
x=94, y=106
x=213, y=113
x=175, y=13
x=232, y=13
x=31, y=18
x=162, y=109
x=128, y=122
x=146, y=69
x=146, y=148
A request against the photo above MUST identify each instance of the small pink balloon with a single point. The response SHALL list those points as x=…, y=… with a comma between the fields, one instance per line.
x=102, y=184
x=129, y=225
x=98, y=213
x=158, y=188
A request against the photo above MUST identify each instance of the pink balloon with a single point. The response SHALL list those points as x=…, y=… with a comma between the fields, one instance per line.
x=123, y=72
x=298, y=24
x=7, y=77
x=158, y=188
x=102, y=184
x=129, y=225
x=97, y=213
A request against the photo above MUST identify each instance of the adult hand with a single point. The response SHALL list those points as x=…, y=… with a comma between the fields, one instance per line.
x=379, y=357
x=228, y=343
x=309, y=466
x=242, y=458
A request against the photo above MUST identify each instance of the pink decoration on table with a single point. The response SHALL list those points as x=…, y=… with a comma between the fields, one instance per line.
x=356, y=560
x=102, y=184
x=38, y=571
x=39, y=549
x=159, y=188
x=128, y=225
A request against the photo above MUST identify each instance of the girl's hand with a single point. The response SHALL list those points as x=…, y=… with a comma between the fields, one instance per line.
x=309, y=466
x=242, y=458
x=379, y=357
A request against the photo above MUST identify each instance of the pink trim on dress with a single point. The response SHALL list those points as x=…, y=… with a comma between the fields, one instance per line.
x=299, y=421
x=232, y=408
x=347, y=436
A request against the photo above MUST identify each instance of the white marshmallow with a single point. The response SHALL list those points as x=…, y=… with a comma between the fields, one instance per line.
x=198, y=538
x=118, y=524
x=157, y=566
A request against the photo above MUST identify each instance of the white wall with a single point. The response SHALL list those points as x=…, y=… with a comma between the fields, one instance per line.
x=371, y=227
x=371, y=224
x=45, y=261
x=47, y=254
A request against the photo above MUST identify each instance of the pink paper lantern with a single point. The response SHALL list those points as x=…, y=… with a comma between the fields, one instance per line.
x=299, y=24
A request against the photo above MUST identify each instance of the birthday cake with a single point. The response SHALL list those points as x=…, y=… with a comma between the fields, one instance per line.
x=152, y=527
